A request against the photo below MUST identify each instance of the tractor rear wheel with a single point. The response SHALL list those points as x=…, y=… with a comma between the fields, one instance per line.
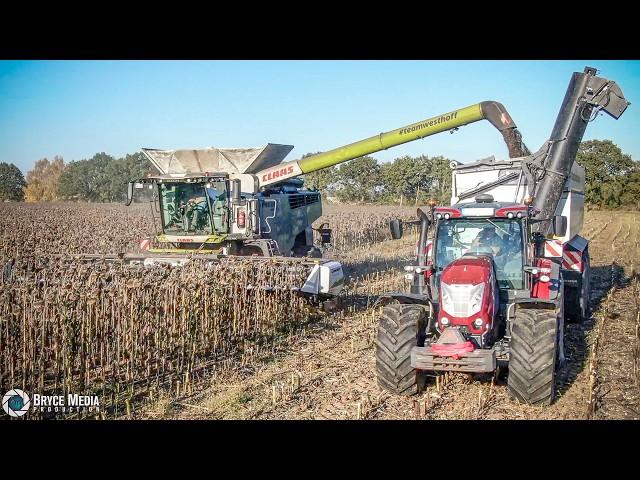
x=401, y=328
x=532, y=360
x=578, y=298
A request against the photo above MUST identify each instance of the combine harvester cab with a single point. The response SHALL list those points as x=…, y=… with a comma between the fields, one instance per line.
x=499, y=271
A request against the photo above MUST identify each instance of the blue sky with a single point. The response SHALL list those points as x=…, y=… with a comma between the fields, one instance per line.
x=78, y=108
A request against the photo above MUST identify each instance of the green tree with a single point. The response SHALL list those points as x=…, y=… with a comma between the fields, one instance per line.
x=358, y=179
x=631, y=195
x=440, y=189
x=417, y=179
x=102, y=178
x=406, y=177
x=606, y=170
x=12, y=183
x=87, y=179
x=123, y=170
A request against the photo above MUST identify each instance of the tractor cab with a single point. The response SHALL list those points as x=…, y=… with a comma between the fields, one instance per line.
x=498, y=237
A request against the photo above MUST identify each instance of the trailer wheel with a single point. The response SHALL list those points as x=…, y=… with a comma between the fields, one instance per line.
x=578, y=299
x=401, y=328
x=532, y=360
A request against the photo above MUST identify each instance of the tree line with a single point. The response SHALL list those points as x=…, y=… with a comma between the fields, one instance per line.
x=101, y=178
x=405, y=179
x=612, y=178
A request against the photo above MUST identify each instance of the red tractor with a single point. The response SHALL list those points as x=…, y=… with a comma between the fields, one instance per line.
x=500, y=270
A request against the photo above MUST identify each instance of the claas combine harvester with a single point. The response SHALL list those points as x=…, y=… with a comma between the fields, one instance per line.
x=499, y=271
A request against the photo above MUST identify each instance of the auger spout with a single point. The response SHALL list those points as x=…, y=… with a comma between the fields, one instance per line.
x=587, y=93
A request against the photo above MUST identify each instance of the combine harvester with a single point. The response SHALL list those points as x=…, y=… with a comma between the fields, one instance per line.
x=500, y=270
x=217, y=203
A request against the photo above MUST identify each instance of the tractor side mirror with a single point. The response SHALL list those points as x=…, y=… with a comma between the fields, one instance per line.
x=395, y=226
x=559, y=225
x=129, y=193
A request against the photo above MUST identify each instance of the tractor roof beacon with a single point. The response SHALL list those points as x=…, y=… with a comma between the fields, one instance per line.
x=213, y=203
x=500, y=270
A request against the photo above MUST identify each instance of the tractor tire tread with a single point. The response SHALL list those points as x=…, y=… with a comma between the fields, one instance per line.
x=532, y=358
x=398, y=332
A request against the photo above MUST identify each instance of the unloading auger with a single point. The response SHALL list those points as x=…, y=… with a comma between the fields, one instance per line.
x=218, y=202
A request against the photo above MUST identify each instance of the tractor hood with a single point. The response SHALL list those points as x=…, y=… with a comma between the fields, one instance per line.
x=213, y=159
x=468, y=270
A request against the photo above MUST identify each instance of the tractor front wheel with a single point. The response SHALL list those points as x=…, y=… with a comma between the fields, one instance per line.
x=532, y=359
x=401, y=328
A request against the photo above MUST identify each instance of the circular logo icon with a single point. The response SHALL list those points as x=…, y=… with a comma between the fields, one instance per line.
x=16, y=402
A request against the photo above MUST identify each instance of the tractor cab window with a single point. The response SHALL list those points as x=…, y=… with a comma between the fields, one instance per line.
x=193, y=208
x=502, y=239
